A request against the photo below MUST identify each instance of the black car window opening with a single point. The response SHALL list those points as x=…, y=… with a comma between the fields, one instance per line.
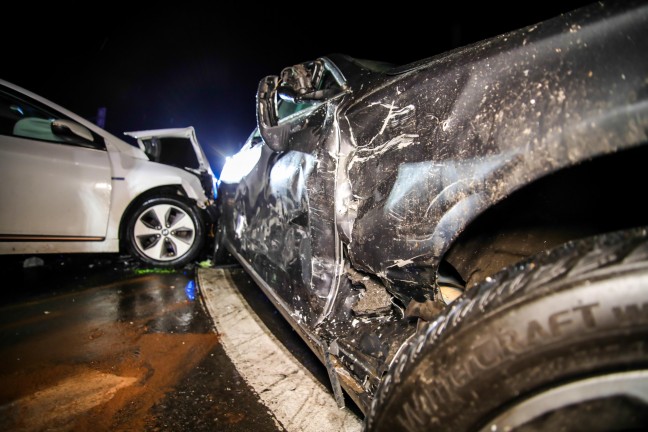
x=177, y=151
x=286, y=108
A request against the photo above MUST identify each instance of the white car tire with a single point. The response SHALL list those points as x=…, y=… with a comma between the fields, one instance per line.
x=165, y=232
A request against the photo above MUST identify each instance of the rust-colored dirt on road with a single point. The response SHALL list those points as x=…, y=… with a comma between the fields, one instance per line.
x=133, y=354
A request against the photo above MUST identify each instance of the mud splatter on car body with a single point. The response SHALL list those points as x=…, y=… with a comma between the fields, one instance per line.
x=365, y=179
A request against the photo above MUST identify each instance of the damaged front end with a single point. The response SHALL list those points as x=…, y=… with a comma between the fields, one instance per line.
x=361, y=177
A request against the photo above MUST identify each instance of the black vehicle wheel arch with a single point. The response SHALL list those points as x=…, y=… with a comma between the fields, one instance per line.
x=171, y=196
x=553, y=209
x=456, y=374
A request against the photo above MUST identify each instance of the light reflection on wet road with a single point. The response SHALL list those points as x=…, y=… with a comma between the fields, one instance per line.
x=90, y=344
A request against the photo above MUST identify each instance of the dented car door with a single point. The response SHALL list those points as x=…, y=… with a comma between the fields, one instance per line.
x=285, y=215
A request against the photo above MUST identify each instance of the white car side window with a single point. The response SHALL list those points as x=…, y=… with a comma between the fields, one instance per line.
x=35, y=127
x=24, y=119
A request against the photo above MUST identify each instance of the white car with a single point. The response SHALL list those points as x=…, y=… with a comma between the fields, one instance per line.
x=68, y=186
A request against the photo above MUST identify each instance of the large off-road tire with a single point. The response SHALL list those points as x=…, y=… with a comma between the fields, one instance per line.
x=558, y=342
x=165, y=231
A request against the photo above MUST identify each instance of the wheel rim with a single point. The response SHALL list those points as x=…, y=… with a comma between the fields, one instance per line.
x=164, y=232
x=632, y=384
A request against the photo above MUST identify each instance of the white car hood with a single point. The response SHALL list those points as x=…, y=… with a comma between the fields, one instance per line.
x=145, y=136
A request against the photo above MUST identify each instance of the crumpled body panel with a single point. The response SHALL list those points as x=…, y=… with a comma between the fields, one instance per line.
x=446, y=139
x=367, y=190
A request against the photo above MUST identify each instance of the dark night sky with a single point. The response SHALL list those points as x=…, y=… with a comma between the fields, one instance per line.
x=160, y=67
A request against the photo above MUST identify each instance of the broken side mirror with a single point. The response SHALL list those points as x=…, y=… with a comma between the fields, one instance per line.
x=297, y=84
x=267, y=102
x=300, y=83
x=274, y=135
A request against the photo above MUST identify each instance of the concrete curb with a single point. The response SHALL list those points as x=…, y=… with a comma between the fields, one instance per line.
x=297, y=400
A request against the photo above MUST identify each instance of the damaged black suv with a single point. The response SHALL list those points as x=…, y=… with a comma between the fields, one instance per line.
x=462, y=240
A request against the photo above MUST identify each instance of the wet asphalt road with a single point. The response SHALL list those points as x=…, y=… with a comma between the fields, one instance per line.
x=94, y=342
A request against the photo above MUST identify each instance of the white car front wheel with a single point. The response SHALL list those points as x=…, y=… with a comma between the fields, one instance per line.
x=165, y=232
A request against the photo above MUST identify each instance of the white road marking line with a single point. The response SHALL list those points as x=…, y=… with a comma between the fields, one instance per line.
x=287, y=388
